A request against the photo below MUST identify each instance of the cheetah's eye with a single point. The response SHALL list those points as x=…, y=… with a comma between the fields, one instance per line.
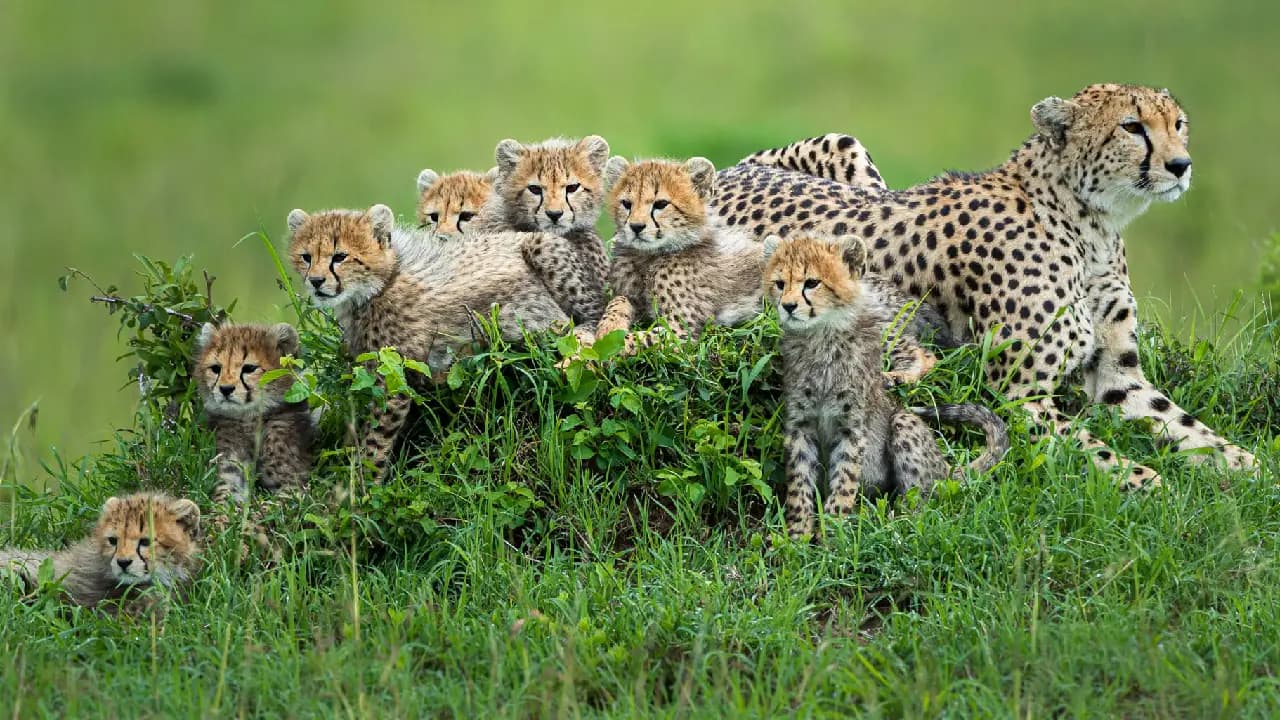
x=465, y=216
x=535, y=189
x=1179, y=124
x=215, y=369
x=112, y=540
x=144, y=542
x=572, y=187
x=782, y=284
x=661, y=204
x=339, y=257
x=626, y=204
x=1134, y=127
x=433, y=217
x=248, y=368
x=306, y=258
x=811, y=283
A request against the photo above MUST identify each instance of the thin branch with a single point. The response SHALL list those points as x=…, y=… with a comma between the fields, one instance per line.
x=116, y=300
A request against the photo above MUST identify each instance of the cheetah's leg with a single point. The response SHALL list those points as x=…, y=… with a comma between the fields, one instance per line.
x=1114, y=377
x=553, y=260
x=801, y=445
x=908, y=360
x=1033, y=364
x=844, y=465
x=380, y=436
x=832, y=156
x=233, y=480
x=917, y=462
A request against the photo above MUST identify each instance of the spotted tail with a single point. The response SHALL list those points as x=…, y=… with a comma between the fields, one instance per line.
x=971, y=414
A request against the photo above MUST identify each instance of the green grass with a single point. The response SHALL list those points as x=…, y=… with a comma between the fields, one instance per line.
x=577, y=545
x=175, y=128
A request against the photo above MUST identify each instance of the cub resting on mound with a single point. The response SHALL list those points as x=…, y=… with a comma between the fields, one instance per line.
x=390, y=286
x=140, y=540
x=1030, y=250
x=838, y=413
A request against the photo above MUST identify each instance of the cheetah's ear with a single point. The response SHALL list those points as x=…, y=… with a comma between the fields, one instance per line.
x=597, y=150
x=491, y=176
x=207, y=331
x=613, y=170
x=383, y=221
x=703, y=175
x=426, y=179
x=286, y=338
x=187, y=514
x=854, y=254
x=296, y=218
x=507, y=155
x=1052, y=117
x=111, y=504
x=771, y=243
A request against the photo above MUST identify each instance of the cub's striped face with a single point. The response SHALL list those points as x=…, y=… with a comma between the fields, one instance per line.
x=230, y=363
x=448, y=203
x=554, y=186
x=658, y=205
x=812, y=282
x=1127, y=142
x=343, y=256
x=148, y=538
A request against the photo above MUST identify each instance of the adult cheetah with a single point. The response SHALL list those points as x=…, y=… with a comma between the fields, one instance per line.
x=1030, y=250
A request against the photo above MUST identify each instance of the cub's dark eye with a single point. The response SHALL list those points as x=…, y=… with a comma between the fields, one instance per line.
x=465, y=216
x=215, y=369
x=111, y=540
x=812, y=283
x=782, y=284
x=433, y=217
x=1133, y=127
x=535, y=189
x=572, y=187
x=248, y=368
x=626, y=204
x=660, y=204
x=339, y=257
x=306, y=258
x=144, y=542
x=1179, y=124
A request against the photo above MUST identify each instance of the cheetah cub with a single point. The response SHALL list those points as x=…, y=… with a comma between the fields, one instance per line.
x=390, y=286
x=256, y=431
x=447, y=204
x=670, y=255
x=838, y=413
x=556, y=187
x=142, y=540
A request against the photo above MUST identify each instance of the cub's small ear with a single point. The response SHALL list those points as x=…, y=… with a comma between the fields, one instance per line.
x=507, y=155
x=771, y=243
x=286, y=338
x=111, y=504
x=426, y=179
x=491, y=176
x=703, y=175
x=597, y=150
x=187, y=514
x=613, y=170
x=854, y=254
x=383, y=221
x=1052, y=117
x=296, y=218
x=207, y=332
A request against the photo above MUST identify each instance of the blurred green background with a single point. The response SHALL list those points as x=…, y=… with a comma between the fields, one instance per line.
x=167, y=128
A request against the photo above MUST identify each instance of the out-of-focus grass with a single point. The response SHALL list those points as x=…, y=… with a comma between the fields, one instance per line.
x=170, y=128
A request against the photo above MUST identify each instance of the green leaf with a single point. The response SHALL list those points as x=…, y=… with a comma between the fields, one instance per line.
x=609, y=345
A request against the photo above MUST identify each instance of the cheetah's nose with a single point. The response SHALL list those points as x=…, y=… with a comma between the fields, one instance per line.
x=316, y=282
x=124, y=563
x=1178, y=166
x=789, y=307
x=226, y=390
x=555, y=215
x=637, y=228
